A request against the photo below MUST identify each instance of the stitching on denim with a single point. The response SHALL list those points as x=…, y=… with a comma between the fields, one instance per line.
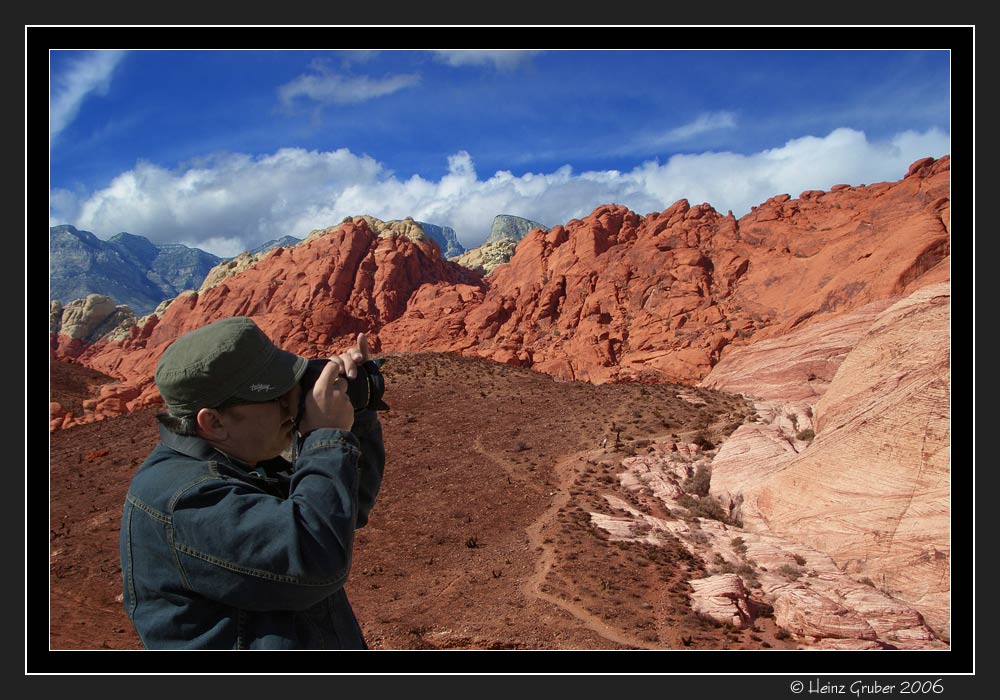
x=129, y=579
x=340, y=442
x=174, y=547
x=187, y=487
x=267, y=575
x=147, y=509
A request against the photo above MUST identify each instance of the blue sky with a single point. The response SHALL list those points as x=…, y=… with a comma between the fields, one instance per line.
x=226, y=149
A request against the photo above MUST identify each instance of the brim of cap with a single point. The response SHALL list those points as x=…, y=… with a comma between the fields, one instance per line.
x=282, y=372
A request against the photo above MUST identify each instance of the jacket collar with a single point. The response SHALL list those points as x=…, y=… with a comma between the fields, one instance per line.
x=196, y=447
x=202, y=450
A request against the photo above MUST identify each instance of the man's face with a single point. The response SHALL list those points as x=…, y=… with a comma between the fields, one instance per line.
x=259, y=431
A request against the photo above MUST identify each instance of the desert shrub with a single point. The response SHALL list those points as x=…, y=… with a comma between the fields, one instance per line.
x=806, y=434
x=739, y=545
x=699, y=482
x=782, y=634
x=789, y=571
x=697, y=537
x=703, y=442
x=799, y=559
x=703, y=507
x=744, y=569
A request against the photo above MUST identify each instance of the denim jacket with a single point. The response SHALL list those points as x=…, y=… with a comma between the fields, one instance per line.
x=217, y=554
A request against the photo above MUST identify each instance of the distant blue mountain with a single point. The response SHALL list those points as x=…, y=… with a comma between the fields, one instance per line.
x=445, y=237
x=283, y=242
x=128, y=268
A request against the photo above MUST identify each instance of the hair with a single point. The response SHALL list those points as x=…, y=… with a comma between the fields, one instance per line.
x=186, y=425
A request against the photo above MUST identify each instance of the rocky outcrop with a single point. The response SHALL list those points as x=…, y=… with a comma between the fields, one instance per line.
x=723, y=597
x=82, y=322
x=228, y=268
x=827, y=253
x=872, y=487
x=753, y=572
x=488, y=257
x=499, y=246
x=883, y=436
x=797, y=366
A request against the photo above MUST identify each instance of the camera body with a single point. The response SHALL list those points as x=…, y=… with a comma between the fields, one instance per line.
x=365, y=390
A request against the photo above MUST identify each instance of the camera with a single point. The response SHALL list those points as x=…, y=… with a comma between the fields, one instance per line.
x=365, y=390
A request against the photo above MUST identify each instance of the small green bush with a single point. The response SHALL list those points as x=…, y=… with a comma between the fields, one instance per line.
x=703, y=507
x=698, y=483
x=789, y=571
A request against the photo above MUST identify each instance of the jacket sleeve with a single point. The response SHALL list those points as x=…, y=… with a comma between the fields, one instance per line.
x=371, y=464
x=255, y=551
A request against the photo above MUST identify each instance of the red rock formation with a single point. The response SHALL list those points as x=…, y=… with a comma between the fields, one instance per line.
x=312, y=298
x=614, y=296
x=620, y=296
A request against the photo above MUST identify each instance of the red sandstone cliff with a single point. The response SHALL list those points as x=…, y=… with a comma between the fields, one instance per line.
x=614, y=296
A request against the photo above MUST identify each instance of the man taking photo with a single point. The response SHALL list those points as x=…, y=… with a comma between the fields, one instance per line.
x=225, y=544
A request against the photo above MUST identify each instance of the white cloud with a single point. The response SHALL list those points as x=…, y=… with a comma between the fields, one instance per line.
x=229, y=203
x=704, y=123
x=501, y=59
x=326, y=87
x=652, y=142
x=89, y=74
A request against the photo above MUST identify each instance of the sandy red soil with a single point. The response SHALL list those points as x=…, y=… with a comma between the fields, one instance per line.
x=481, y=537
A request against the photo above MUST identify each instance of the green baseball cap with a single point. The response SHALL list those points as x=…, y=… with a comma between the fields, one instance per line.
x=230, y=358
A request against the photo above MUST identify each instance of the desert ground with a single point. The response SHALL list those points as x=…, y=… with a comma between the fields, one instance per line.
x=481, y=538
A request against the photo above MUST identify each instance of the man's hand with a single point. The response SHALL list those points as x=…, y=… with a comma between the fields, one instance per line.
x=327, y=405
x=355, y=356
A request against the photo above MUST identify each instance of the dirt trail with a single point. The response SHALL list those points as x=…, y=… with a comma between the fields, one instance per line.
x=567, y=471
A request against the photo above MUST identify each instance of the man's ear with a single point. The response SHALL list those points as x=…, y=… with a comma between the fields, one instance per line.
x=211, y=425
